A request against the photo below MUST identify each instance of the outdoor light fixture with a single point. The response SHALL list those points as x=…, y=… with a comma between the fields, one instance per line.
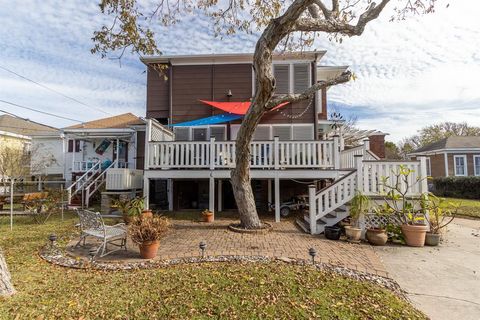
x=229, y=93
x=52, y=238
x=312, y=252
x=92, y=252
x=202, y=247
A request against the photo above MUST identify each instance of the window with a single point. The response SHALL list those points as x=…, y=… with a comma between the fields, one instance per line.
x=476, y=165
x=460, y=165
x=429, y=167
x=282, y=78
x=301, y=132
x=262, y=133
x=300, y=77
x=182, y=134
x=291, y=78
x=70, y=145
x=199, y=134
x=218, y=133
x=282, y=132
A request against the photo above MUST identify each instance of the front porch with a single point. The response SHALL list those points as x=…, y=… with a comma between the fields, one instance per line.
x=284, y=242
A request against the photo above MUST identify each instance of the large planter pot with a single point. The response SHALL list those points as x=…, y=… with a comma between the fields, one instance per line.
x=149, y=249
x=414, y=234
x=353, y=234
x=208, y=217
x=377, y=237
x=146, y=214
x=432, y=239
x=333, y=233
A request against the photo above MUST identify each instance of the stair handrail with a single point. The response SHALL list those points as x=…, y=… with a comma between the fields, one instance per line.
x=70, y=191
x=101, y=175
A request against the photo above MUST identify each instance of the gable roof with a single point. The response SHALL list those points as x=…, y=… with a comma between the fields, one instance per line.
x=453, y=142
x=24, y=127
x=116, y=122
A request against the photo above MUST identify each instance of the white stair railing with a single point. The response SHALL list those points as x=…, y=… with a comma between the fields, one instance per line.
x=96, y=183
x=84, y=179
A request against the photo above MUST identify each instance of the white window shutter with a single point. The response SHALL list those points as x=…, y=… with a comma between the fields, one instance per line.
x=282, y=132
x=282, y=78
x=182, y=134
x=300, y=77
x=262, y=133
x=303, y=132
x=218, y=133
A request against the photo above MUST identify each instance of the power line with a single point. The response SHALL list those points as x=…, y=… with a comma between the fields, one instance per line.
x=55, y=91
x=39, y=111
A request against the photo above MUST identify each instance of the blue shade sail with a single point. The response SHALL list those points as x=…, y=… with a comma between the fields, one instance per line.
x=219, y=118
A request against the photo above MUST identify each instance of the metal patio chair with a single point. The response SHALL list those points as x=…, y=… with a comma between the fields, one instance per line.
x=92, y=225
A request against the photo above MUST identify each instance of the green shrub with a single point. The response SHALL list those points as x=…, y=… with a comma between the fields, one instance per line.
x=457, y=187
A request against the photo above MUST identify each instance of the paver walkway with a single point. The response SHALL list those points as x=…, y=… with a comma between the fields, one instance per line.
x=285, y=240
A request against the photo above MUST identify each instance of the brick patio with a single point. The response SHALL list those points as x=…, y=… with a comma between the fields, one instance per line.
x=285, y=240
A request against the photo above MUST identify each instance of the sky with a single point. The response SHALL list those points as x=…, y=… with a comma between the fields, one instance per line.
x=410, y=73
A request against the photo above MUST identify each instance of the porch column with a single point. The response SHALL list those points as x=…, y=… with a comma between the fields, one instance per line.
x=269, y=193
x=146, y=192
x=118, y=153
x=219, y=196
x=211, y=195
x=170, y=194
x=277, y=199
x=73, y=155
x=336, y=152
x=445, y=156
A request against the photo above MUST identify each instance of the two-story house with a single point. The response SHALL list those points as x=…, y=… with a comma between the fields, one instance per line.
x=202, y=99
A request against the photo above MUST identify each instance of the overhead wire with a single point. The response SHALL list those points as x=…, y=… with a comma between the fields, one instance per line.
x=39, y=111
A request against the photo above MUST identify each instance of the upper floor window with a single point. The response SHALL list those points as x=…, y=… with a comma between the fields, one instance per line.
x=291, y=78
x=476, y=165
x=200, y=133
x=71, y=145
x=460, y=165
x=429, y=167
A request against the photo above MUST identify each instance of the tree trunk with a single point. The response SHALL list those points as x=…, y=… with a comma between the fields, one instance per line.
x=6, y=287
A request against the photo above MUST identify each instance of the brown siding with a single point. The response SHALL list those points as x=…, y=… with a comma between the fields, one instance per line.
x=377, y=145
x=470, y=163
x=140, y=144
x=437, y=165
x=157, y=95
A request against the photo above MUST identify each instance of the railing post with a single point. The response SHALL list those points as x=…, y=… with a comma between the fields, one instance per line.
x=148, y=134
x=423, y=175
x=312, y=210
x=212, y=153
x=336, y=151
x=359, y=167
x=276, y=153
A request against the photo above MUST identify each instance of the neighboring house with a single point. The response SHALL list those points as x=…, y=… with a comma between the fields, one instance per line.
x=202, y=98
x=453, y=156
x=16, y=134
x=89, y=154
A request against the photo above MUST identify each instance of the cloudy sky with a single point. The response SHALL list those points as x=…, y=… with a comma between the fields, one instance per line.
x=410, y=74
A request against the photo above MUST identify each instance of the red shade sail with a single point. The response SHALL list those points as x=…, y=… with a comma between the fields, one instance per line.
x=235, y=107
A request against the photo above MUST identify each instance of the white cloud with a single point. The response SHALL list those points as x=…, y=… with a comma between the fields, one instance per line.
x=410, y=73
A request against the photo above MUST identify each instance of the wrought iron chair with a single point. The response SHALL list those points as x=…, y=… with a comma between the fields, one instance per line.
x=92, y=225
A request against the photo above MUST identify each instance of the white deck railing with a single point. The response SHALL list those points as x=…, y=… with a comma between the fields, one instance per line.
x=221, y=154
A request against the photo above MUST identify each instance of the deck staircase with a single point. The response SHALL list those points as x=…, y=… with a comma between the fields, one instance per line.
x=86, y=185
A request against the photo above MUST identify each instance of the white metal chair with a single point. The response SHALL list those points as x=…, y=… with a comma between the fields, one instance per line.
x=92, y=225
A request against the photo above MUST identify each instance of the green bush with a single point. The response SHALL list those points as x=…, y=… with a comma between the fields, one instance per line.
x=457, y=187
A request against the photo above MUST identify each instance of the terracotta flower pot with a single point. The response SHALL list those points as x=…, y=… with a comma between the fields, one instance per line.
x=149, y=249
x=377, y=237
x=414, y=234
x=208, y=217
x=432, y=239
x=146, y=214
x=353, y=234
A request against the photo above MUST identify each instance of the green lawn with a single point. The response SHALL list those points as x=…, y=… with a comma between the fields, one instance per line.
x=469, y=208
x=213, y=290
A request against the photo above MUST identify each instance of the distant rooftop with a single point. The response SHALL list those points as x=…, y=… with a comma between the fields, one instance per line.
x=116, y=122
x=24, y=127
x=453, y=142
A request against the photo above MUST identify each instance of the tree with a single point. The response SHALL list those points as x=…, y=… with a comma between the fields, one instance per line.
x=392, y=151
x=286, y=24
x=6, y=287
x=436, y=132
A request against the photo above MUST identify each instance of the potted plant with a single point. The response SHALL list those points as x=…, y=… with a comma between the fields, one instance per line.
x=441, y=213
x=207, y=215
x=377, y=236
x=409, y=211
x=137, y=208
x=359, y=205
x=332, y=232
x=122, y=205
x=147, y=232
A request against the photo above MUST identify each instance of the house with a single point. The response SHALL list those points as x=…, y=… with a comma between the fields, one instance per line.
x=92, y=154
x=16, y=133
x=296, y=150
x=453, y=156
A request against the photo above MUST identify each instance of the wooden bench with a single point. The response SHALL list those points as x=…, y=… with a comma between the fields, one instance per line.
x=32, y=197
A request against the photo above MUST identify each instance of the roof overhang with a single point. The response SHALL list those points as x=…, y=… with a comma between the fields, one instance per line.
x=229, y=58
x=443, y=150
x=325, y=73
x=111, y=133
x=14, y=135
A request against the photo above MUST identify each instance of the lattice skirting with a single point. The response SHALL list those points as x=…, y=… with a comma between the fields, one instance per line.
x=376, y=221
